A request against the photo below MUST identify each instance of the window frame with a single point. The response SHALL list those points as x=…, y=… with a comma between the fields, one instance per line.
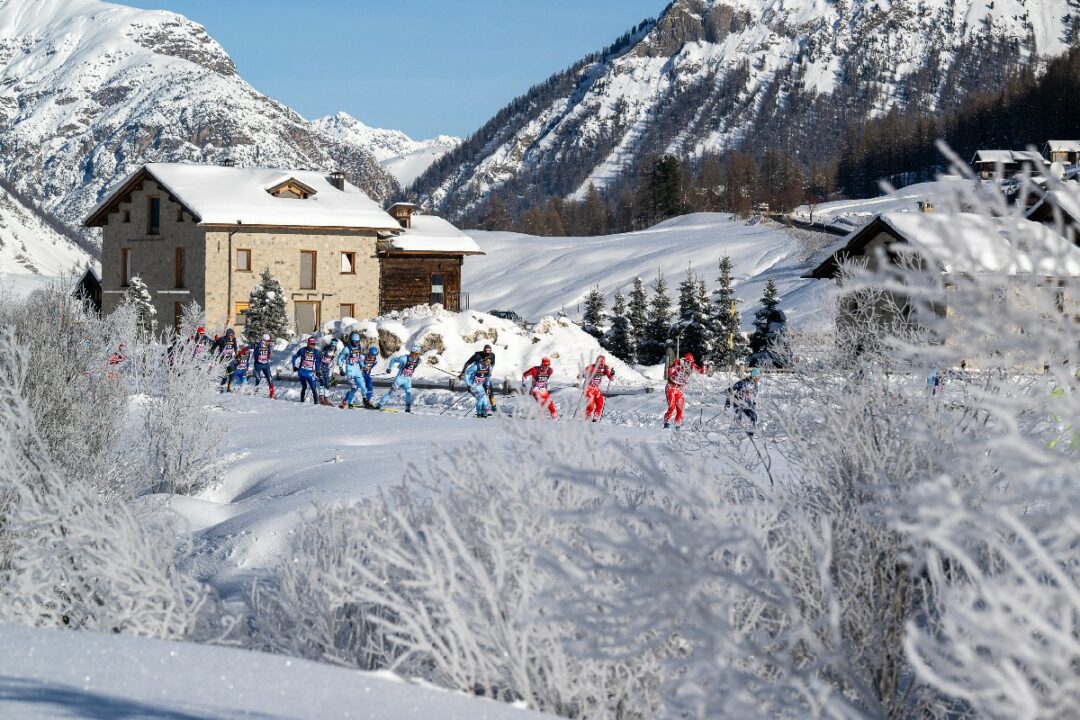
x=180, y=269
x=153, y=212
x=341, y=310
x=314, y=269
x=352, y=261
x=125, y=267
x=236, y=266
x=431, y=287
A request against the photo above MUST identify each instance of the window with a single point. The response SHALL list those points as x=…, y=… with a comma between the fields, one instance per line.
x=306, y=316
x=438, y=289
x=307, y=269
x=346, y=310
x=243, y=261
x=127, y=216
x=348, y=263
x=179, y=215
x=154, y=217
x=179, y=271
x=241, y=312
x=126, y=271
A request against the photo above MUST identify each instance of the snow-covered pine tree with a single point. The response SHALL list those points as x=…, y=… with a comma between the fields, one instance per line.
x=654, y=341
x=266, y=310
x=769, y=325
x=729, y=345
x=637, y=312
x=690, y=332
x=619, y=340
x=138, y=297
x=594, y=315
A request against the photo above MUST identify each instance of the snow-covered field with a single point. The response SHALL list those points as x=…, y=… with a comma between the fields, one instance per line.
x=846, y=215
x=60, y=674
x=537, y=276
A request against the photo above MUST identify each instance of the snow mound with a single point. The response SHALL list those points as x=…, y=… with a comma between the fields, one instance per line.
x=448, y=339
x=64, y=674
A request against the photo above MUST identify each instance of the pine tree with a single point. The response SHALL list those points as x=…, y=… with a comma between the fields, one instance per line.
x=138, y=297
x=769, y=325
x=654, y=338
x=637, y=312
x=690, y=333
x=729, y=345
x=266, y=310
x=619, y=340
x=594, y=316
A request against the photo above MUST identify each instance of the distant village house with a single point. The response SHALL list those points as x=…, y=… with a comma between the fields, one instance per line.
x=1007, y=163
x=1066, y=152
x=203, y=233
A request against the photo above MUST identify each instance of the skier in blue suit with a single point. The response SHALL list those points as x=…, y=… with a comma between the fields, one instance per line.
x=406, y=365
x=305, y=362
x=356, y=366
x=478, y=375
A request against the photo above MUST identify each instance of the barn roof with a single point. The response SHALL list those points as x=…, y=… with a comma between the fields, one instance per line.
x=964, y=243
x=221, y=195
x=1008, y=157
x=432, y=234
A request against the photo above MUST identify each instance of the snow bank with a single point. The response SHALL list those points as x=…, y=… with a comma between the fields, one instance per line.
x=448, y=339
x=63, y=674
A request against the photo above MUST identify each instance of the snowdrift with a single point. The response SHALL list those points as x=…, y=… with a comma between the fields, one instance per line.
x=448, y=339
x=64, y=674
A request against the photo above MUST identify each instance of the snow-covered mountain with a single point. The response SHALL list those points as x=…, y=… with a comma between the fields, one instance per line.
x=90, y=90
x=709, y=75
x=400, y=155
x=29, y=245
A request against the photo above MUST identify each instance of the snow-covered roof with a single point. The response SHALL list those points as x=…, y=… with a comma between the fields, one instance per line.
x=1008, y=157
x=1063, y=145
x=432, y=234
x=221, y=195
x=967, y=243
x=1066, y=197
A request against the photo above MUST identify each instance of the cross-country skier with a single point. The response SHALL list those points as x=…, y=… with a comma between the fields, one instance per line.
x=477, y=376
x=742, y=396
x=594, y=397
x=487, y=357
x=325, y=371
x=540, y=376
x=243, y=361
x=200, y=342
x=260, y=353
x=406, y=365
x=678, y=374
x=356, y=366
x=226, y=347
x=305, y=362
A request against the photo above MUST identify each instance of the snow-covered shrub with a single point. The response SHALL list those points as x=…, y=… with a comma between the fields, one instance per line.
x=74, y=557
x=446, y=578
x=74, y=386
x=137, y=298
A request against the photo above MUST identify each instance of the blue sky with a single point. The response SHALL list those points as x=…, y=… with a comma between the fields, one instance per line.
x=422, y=66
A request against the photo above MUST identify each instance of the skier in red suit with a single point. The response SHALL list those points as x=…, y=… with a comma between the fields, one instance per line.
x=540, y=375
x=678, y=374
x=594, y=398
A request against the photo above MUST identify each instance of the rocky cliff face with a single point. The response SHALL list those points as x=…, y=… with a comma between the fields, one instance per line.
x=90, y=90
x=710, y=75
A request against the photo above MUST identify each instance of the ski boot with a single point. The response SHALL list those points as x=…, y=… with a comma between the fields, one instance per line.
x=408, y=407
x=667, y=425
x=368, y=405
x=271, y=392
x=343, y=405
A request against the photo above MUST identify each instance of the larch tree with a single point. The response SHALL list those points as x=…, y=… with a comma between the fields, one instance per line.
x=266, y=310
x=729, y=345
x=138, y=297
x=658, y=324
x=619, y=339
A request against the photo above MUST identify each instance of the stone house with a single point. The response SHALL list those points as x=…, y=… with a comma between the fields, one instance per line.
x=203, y=233
x=1007, y=163
x=1066, y=152
x=959, y=244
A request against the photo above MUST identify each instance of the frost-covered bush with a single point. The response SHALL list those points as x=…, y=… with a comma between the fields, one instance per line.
x=446, y=578
x=74, y=557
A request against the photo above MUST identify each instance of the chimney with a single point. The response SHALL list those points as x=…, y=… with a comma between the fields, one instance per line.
x=926, y=206
x=337, y=179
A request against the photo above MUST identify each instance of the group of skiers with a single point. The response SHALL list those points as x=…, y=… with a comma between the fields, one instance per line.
x=315, y=368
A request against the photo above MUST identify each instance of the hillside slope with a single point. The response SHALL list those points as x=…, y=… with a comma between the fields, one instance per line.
x=715, y=74
x=90, y=90
x=30, y=246
x=397, y=153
